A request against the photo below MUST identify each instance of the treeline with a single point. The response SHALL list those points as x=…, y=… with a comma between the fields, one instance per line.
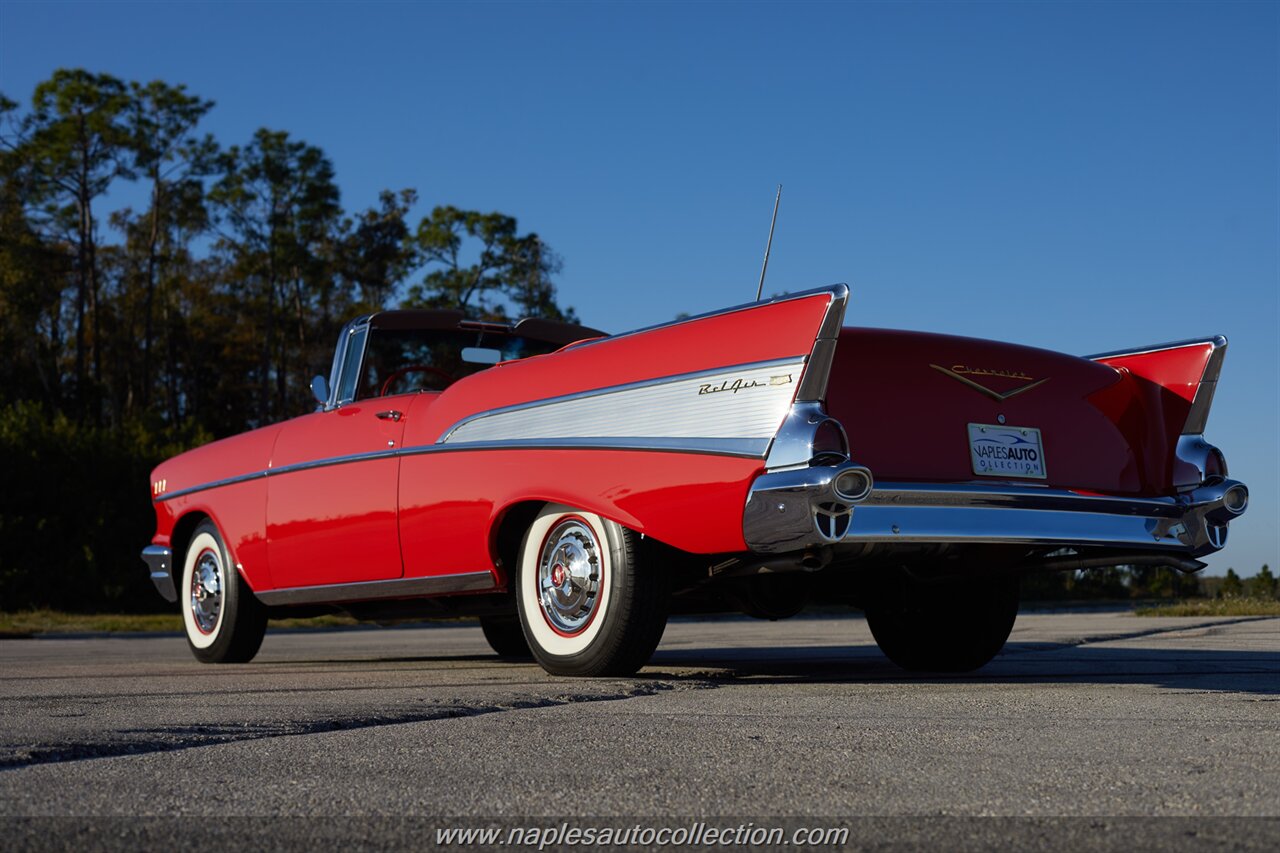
x=214, y=297
x=1147, y=582
x=128, y=332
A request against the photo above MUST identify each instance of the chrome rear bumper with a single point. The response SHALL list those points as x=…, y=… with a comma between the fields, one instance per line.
x=791, y=510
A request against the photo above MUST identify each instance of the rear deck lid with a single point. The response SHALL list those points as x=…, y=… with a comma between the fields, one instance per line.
x=938, y=408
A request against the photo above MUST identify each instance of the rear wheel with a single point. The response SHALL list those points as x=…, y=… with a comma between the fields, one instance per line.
x=587, y=605
x=942, y=626
x=505, y=636
x=225, y=623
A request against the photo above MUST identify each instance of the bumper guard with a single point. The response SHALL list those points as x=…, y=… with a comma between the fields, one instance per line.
x=160, y=561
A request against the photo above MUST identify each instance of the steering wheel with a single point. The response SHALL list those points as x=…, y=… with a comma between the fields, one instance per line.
x=415, y=368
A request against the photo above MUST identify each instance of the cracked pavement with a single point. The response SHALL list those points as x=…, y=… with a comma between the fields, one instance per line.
x=1085, y=714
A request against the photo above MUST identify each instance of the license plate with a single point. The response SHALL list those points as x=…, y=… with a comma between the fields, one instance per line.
x=1006, y=451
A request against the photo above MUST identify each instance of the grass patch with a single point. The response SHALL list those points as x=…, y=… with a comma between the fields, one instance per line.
x=1215, y=607
x=329, y=620
x=28, y=623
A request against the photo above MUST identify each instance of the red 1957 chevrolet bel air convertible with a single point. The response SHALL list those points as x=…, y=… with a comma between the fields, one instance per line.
x=572, y=489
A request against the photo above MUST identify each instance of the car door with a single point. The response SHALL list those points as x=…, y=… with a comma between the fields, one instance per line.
x=331, y=496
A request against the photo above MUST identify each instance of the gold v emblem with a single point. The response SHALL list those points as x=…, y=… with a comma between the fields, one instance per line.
x=995, y=395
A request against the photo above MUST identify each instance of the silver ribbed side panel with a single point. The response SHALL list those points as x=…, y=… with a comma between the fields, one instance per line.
x=746, y=402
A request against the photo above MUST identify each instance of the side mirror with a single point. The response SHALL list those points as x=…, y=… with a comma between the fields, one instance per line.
x=320, y=388
x=481, y=355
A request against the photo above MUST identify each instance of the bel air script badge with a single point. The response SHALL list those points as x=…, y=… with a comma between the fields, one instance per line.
x=737, y=385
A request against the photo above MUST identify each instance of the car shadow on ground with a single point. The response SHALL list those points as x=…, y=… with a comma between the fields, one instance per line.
x=1225, y=670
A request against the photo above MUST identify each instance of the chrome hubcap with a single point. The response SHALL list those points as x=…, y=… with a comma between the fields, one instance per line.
x=206, y=592
x=569, y=576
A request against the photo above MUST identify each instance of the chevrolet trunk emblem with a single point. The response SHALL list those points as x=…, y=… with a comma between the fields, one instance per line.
x=995, y=395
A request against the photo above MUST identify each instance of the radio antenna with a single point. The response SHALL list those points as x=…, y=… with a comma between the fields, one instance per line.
x=769, y=245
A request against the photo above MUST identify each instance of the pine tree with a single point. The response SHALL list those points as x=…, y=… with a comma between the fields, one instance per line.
x=1263, y=584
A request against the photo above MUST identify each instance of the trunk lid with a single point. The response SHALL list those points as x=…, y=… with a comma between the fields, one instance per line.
x=907, y=400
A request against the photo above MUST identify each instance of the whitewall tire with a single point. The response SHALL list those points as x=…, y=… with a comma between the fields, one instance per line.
x=586, y=604
x=224, y=622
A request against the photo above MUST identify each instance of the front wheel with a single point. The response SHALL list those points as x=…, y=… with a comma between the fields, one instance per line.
x=587, y=604
x=224, y=621
x=942, y=626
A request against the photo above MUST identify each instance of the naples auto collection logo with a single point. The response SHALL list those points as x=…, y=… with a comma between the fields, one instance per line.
x=736, y=385
x=1006, y=451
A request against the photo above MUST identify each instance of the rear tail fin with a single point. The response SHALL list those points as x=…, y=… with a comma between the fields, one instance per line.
x=1187, y=370
x=1176, y=383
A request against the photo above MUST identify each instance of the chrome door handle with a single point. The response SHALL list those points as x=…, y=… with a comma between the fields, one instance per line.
x=391, y=415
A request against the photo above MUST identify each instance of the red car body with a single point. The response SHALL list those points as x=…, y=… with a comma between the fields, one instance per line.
x=763, y=441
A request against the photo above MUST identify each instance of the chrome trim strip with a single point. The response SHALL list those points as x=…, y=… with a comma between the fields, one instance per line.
x=283, y=469
x=833, y=322
x=1218, y=341
x=1017, y=497
x=813, y=385
x=752, y=448
x=789, y=361
x=1182, y=532
x=834, y=289
x=213, y=484
x=1198, y=417
x=1214, y=367
x=794, y=438
x=333, y=460
x=747, y=448
x=370, y=590
x=159, y=560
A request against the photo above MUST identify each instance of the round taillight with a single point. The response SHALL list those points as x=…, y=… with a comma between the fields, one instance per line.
x=829, y=438
x=1215, y=464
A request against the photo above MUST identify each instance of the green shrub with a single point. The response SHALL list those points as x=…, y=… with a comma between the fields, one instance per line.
x=76, y=511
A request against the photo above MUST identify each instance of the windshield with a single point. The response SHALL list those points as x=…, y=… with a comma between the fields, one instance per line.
x=401, y=361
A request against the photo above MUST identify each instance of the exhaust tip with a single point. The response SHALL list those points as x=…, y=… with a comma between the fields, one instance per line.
x=1236, y=499
x=813, y=560
x=853, y=484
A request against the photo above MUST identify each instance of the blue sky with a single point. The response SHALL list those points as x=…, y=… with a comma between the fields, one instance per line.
x=1077, y=176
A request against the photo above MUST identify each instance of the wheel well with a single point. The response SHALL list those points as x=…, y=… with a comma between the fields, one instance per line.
x=510, y=530
x=183, y=531
x=509, y=533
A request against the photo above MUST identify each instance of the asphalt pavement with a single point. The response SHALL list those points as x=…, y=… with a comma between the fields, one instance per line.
x=1091, y=731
